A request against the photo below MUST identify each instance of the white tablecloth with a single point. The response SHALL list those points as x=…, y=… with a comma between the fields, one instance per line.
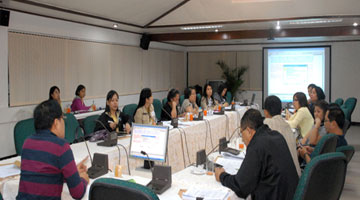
x=197, y=137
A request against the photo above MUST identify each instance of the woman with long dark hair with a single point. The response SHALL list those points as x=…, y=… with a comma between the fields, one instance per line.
x=145, y=113
x=207, y=100
x=302, y=118
x=220, y=96
x=317, y=94
x=112, y=118
x=54, y=94
x=78, y=102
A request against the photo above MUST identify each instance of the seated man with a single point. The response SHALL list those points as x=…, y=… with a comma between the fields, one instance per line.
x=275, y=122
x=334, y=122
x=268, y=171
x=47, y=160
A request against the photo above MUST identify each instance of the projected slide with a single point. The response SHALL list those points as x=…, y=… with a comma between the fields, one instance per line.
x=290, y=70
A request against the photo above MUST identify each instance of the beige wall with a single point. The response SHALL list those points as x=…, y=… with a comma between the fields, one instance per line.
x=202, y=67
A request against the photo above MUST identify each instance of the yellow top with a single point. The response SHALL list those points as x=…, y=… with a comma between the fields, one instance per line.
x=302, y=120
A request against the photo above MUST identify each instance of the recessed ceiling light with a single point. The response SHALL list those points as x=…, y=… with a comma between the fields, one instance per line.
x=115, y=25
x=216, y=30
x=278, y=25
x=355, y=24
x=186, y=28
x=315, y=21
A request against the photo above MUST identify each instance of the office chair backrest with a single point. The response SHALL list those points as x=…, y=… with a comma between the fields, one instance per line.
x=72, y=128
x=350, y=104
x=22, y=130
x=129, y=109
x=339, y=101
x=113, y=189
x=198, y=99
x=323, y=178
x=90, y=123
x=164, y=101
x=346, y=126
x=157, y=108
x=182, y=98
x=228, y=97
x=347, y=150
x=326, y=144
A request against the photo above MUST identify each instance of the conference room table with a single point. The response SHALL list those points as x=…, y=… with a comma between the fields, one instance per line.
x=183, y=144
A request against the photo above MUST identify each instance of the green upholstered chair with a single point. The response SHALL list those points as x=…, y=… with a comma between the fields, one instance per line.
x=228, y=97
x=22, y=130
x=326, y=144
x=182, y=97
x=346, y=112
x=157, y=108
x=339, y=101
x=89, y=124
x=346, y=126
x=72, y=128
x=111, y=189
x=347, y=150
x=198, y=99
x=350, y=104
x=323, y=178
x=164, y=101
x=130, y=109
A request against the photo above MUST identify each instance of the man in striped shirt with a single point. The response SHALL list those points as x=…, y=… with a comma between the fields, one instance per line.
x=47, y=160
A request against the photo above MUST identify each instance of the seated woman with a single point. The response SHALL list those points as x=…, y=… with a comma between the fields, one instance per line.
x=302, y=118
x=78, y=102
x=112, y=118
x=318, y=130
x=220, y=96
x=189, y=105
x=170, y=109
x=309, y=88
x=144, y=113
x=316, y=94
x=54, y=94
x=208, y=101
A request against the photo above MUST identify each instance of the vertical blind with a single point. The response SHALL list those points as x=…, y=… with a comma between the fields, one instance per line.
x=38, y=62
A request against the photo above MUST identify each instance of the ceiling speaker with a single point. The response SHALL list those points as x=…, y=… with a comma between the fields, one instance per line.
x=145, y=41
x=4, y=17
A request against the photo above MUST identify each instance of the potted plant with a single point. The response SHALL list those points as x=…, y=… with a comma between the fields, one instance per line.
x=233, y=76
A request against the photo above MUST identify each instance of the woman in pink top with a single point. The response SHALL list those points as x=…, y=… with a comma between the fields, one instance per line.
x=78, y=102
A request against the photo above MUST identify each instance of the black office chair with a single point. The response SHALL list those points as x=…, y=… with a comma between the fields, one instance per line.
x=112, y=189
x=347, y=150
x=326, y=144
x=323, y=178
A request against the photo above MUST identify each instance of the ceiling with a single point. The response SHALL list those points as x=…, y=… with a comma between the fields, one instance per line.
x=244, y=21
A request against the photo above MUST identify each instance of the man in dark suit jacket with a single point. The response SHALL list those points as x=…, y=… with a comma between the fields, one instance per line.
x=268, y=171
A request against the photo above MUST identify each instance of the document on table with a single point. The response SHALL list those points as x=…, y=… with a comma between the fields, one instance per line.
x=231, y=165
x=9, y=170
x=206, y=194
x=241, y=155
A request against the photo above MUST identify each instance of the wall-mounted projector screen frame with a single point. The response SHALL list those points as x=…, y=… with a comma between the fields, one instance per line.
x=293, y=69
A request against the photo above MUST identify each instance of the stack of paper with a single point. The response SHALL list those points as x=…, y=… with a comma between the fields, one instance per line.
x=9, y=170
x=230, y=165
x=241, y=155
x=206, y=194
